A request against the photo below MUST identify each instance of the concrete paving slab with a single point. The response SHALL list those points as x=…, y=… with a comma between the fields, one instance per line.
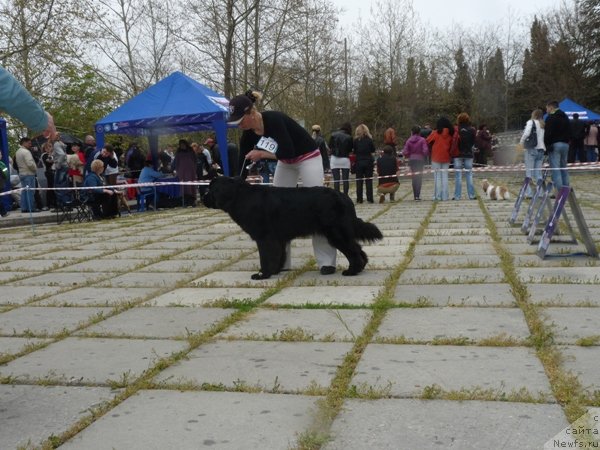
x=31, y=414
x=14, y=345
x=72, y=254
x=318, y=324
x=240, y=244
x=19, y=295
x=272, y=366
x=136, y=253
x=182, y=265
x=86, y=360
x=408, y=369
x=194, y=420
x=146, y=279
x=454, y=261
x=375, y=252
x=386, y=262
x=63, y=279
x=203, y=253
x=252, y=264
x=104, y=265
x=585, y=363
x=368, y=277
x=158, y=322
x=428, y=324
x=455, y=249
x=554, y=249
x=7, y=277
x=451, y=276
x=202, y=296
x=489, y=294
x=565, y=275
x=166, y=245
x=94, y=296
x=32, y=265
x=567, y=261
x=46, y=321
x=406, y=424
x=453, y=239
x=564, y=294
x=325, y=295
x=235, y=279
x=572, y=324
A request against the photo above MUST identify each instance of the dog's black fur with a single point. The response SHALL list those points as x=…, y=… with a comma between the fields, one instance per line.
x=273, y=216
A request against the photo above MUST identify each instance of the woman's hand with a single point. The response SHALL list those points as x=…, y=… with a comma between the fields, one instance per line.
x=256, y=155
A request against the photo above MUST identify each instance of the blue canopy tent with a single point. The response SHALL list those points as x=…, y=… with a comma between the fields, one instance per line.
x=4, y=149
x=570, y=107
x=176, y=104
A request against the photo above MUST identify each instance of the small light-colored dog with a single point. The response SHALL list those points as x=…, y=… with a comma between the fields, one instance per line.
x=495, y=192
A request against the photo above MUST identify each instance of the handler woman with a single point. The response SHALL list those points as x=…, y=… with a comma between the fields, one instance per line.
x=274, y=135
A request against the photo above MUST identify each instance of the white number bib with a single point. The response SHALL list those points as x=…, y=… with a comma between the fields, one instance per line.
x=268, y=144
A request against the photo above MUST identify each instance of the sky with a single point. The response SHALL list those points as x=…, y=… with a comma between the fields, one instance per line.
x=466, y=12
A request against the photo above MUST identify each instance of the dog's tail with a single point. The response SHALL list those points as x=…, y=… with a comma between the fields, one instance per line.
x=365, y=231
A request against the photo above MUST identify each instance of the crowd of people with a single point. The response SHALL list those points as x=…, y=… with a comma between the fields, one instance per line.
x=276, y=148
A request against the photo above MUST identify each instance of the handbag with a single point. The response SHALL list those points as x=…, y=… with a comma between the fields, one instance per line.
x=531, y=140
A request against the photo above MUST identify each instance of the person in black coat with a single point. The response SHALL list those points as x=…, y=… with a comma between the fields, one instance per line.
x=557, y=133
x=364, y=150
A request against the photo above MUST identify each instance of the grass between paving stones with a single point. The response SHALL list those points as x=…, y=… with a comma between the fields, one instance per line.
x=130, y=387
x=565, y=386
x=478, y=393
x=340, y=389
x=501, y=340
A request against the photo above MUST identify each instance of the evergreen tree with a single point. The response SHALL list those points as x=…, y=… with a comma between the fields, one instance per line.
x=462, y=93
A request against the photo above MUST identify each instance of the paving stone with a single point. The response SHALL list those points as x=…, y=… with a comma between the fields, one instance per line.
x=146, y=279
x=339, y=324
x=159, y=322
x=195, y=419
x=13, y=345
x=406, y=424
x=366, y=278
x=445, y=261
x=209, y=254
x=455, y=249
x=451, y=276
x=104, y=265
x=253, y=264
x=408, y=369
x=235, y=279
x=94, y=296
x=585, y=363
x=240, y=244
x=86, y=360
x=280, y=366
x=564, y=294
x=43, y=321
x=325, y=295
x=567, y=261
x=63, y=279
x=136, y=253
x=202, y=296
x=72, y=254
x=572, y=324
x=489, y=294
x=375, y=252
x=31, y=414
x=12, y=276
x=182, y=265
x=427, y=324
x=18, y=295
x=448, y=238
x=31, y=265
x=555, y=248
x=564, y=275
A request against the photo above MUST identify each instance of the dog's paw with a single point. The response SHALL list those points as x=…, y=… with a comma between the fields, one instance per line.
x=350, y=272
x=260, y=276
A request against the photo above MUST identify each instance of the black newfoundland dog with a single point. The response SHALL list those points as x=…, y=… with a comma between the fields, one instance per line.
x=273, y=216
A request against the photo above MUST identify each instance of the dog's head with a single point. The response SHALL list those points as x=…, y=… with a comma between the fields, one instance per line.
x=221, y=193
x=485, y=185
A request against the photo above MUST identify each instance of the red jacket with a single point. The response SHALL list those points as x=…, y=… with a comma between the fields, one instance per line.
x=440, y=152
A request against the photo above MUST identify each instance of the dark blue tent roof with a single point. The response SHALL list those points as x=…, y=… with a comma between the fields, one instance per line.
x=570, y=108
x=176, y=104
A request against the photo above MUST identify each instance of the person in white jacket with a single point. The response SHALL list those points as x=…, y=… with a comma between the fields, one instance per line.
x=534, y=157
